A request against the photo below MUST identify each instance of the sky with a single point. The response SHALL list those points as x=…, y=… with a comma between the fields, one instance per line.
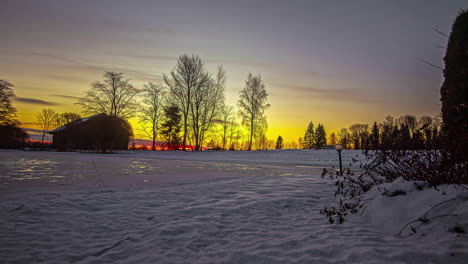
x=331, y=62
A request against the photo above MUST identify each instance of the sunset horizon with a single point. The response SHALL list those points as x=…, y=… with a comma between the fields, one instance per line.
x=330, y=63
x=234, y=131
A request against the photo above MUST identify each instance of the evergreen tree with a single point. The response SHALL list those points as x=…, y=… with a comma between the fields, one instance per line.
x=320, y=136
x=279, y=143
x=387, y=127
x=171, y=127
x=454, y=90
x=309, y=136
x=375, y=136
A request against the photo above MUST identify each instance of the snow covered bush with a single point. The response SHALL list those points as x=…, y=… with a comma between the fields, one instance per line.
x=427, y=168
x=432, y=166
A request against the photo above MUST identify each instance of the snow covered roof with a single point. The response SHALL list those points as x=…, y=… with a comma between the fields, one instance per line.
x=84, y=119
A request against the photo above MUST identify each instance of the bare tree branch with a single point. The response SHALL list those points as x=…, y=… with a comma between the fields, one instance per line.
x=441, y=33
x=430, y=64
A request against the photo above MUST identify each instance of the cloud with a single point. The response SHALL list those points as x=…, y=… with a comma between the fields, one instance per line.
x=338, y=94
x=34, y=101
x=211, y=60
x=82, y=66
x=68, y=78
x=66, y=96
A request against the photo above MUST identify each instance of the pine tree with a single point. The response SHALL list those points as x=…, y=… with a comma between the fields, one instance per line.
x=454, y=91
x=171, y=127
x=375, y=136
x=279, y=143
x=309, y=137
x=320, y=136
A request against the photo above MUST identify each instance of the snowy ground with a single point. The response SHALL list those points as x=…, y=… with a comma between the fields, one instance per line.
x=208, y=207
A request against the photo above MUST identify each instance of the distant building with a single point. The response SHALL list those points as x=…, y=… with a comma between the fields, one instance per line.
x=98, y=132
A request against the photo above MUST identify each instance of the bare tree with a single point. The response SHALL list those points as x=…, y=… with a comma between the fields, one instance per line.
x=344, y=137
x=260, y=131
x=66, y=118
x=234, y=134
x=333, y=138
x=152, y=111
x=226, y=121
x=46, y=120
x=188, y=77
x=7, y=111
x=359, y=135
x=115, y=96
x=252, y=104
x=212, y=100
x=409, y=121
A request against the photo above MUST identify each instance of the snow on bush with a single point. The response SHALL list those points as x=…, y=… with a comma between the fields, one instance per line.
x=410, y=208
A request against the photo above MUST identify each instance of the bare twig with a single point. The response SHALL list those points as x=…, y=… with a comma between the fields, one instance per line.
x=422, y=220
x=441, y=33
x=430, y=64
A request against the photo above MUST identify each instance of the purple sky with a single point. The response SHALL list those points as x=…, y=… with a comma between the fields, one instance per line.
x=334, y=62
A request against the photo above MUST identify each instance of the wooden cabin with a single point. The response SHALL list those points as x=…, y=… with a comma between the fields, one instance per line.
x=98, y=132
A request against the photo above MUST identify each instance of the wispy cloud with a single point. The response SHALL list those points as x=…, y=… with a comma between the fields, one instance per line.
x=213, y=60
x=338, y=94
x=68, y=78
x=66, y=96
x=34, y=101
x=80, y=66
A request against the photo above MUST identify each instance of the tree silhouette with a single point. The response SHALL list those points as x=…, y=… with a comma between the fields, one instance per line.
x=333, y=138
x=66, y=118
x=11, y=136
x=375, y=136
x=115, y=96
x=279, y=143
x=344, y=137
x=320, y=136
x=7, y=111
x=151, y=111
x=252, y=104
x=170, y=128
x=454, y=90
x=359, y=135
x=47, y=120
x=184, y=81
x=309, y=136
x=206, y=104
x=226, y=121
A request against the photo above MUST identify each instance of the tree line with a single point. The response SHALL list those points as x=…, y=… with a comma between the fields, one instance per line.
x=187, y=109
x=404, y=132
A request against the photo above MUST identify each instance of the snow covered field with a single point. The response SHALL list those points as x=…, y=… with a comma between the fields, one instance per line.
x=209, y=207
